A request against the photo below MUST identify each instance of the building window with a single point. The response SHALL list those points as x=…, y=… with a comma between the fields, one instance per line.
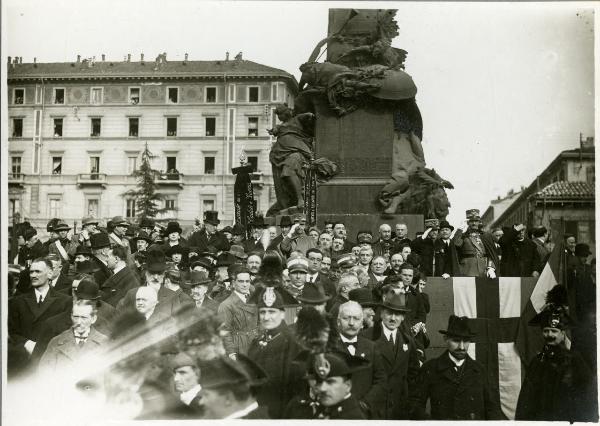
x=54, y=204
x=131, y=165
x=590, y=174
x=253, y=94
x=173, y=95
x=209, y=165
x=93, y=207
x=134, y=95
x=231, y=93
x=56, y=165
x=15, y=166
x=17, y=128
x=58, y=127
x=211, y=125
x=171, y=126
x=211, y=95
x=96, y=127
x=208, y=205
x=94, y=165
x=14, y=207
x=277, y=92
x=253, y=161
x=170, y=204
x=172, y=165
x=134, y=124
x=19, y=96
x=96, y=95
x=130, y=209
x=59, y=96
x=252, y=126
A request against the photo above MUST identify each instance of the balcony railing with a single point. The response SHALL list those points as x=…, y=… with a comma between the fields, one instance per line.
x=91, y=179
x=174, y=178
x=16, y=179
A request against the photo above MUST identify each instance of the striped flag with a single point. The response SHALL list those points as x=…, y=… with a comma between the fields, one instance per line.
x=529, y=339
x=494, y=308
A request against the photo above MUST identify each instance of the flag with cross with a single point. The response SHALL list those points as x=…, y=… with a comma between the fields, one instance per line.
x=494, y=307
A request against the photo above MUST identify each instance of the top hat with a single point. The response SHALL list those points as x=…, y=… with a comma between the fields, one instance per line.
x=582, y=250
x=473, y=214
x=432, y=223
x=28, y=233
x=99, y=240
x=445, y=224
x=225, y=259
x=182, y=360
x=363, y=296
x=173, y=227
x=285, y=221
x=270, y=298
x=223, y=371
x=458, y=327
x=346, y=261
x=312, y=295
x=147, y=222
x=155, y=261
x=89, y=221
x=298, y=264
x=212, y=217
x=61, y=226
x=553, y=316
x=87, y=290
x=238, y=251
x=119, y=221
x=396, y=302
x=86, y=267
x=331, y=364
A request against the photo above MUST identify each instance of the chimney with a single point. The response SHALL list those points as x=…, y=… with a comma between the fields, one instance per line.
x=186, y=58
x=587, y=143
x=20, y=60
x=78, y=58
x=8, y=60
x=164, y=56
x=34, y=61
x=142, y=57
x=103, y=57
x=226, y=56
x=129, y=57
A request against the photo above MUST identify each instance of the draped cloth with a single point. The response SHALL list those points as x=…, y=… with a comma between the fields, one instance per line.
x=243, y=197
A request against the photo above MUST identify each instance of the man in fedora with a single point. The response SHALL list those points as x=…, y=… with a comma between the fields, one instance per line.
x=62, y=245
x=88, y=227
x=227, y=389
x=186, y=381
x=296, y=238
x=100, y=244
x=274, y=350
x=331, y=376
x=285, y=223
x=123, y=277
x=559, y=385
x=82, y=253
x=394, y=340
x=364, y=297
x=455, y=384
x=370, y=384
x=118, y=237
x=313, y=297
x=141, y=243
x=198, y=285
x=209, y=236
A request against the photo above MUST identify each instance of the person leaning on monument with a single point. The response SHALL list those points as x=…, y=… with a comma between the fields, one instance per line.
x=455, y=385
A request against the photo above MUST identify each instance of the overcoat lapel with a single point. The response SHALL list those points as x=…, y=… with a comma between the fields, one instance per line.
x=48, y=301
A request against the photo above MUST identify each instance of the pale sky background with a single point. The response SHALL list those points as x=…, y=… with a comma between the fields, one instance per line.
x=503, y=88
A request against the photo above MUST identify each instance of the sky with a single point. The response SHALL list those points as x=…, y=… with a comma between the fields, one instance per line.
x=503, y=88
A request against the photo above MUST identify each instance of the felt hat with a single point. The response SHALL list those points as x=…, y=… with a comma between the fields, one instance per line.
x=223, y=371
x=182, y=360
x=146, y=222
x=99, y=240
x=197, y=278
x=364, y=237
x=155, y=261
x=61, y=226
x=176, y=249
x=173, y=227
x=396, y=302
x=582, y=249
x=87, y=290
x=225, y=259
x=142, y=235
x=119, y=221
x=446, y=224
x=238, y=251
x=212, y=217
x=285, y=220
x=298, y=264
x=363, y=296
x=258, y=222
x=238, y=229
x=28, y=233
x=227, y=230
x=89, y=221
x=51, y=223
x=204, y=262
x=312, y=295
x=458, y=327
x=86, y=267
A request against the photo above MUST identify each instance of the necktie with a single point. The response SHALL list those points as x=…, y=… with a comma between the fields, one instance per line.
x=40, y=300
x=391, y=339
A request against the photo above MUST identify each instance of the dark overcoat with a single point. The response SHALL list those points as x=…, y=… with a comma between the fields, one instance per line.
x=519, y=258
x=201, y=241
x=453, y=395
x=240, y=320
x=117, y=285
x=63, y=350
x=103, y=273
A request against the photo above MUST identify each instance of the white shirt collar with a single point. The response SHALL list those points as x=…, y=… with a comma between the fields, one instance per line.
x=387, y=332
x=457, y=362
x=241, y=296
x=187, y=396
x=42, y=292
x=311, y=277
x=53, y=282
x=242, y=413
x=118, y=268
x=346, y=340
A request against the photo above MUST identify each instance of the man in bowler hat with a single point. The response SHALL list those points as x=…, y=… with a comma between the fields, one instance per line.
x=209, y=236
x=455, y=383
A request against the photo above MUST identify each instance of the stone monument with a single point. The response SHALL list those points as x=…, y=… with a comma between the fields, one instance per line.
x=367, y=123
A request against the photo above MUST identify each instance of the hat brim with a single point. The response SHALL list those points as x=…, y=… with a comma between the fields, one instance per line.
x=452, y=334
x=213, y=222
x=239, y=255
x=403, y=310
x=298, y=270
x=197, y=283
x=156, y=267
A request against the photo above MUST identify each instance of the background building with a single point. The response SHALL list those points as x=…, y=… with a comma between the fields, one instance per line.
x=77, y=130
x=562, y=198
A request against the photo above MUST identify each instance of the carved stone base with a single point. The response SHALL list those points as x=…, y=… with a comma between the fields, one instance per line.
x=359, y=221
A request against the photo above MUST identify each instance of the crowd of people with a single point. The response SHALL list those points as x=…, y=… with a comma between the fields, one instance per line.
x=285, y=321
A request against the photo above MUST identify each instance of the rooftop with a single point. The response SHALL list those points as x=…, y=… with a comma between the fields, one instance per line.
x=564, y=189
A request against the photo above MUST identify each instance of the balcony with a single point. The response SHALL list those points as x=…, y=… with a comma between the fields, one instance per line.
x=91, y=179
x=170, y=179
x=16, y=180
x=257, y=178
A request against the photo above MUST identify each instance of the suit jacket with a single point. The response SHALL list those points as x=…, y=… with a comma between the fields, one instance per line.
x=168, y=301
x=432, y=253
x=103, y=273
x=301, y=243
x=200, y=240
x=63, y=350
x=125, y=243
x=448, y=257
x=380, y=247
x=326, y=284
x=240, y=320
x=401, y=366
x=209, y=304
x=117, y=285
x=519, y=258
x=63, y=283
x=274, y=351
x=369, y=384
x=463, y=395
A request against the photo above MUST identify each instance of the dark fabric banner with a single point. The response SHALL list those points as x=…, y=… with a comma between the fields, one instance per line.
x=310, y=196
x=243, y=197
